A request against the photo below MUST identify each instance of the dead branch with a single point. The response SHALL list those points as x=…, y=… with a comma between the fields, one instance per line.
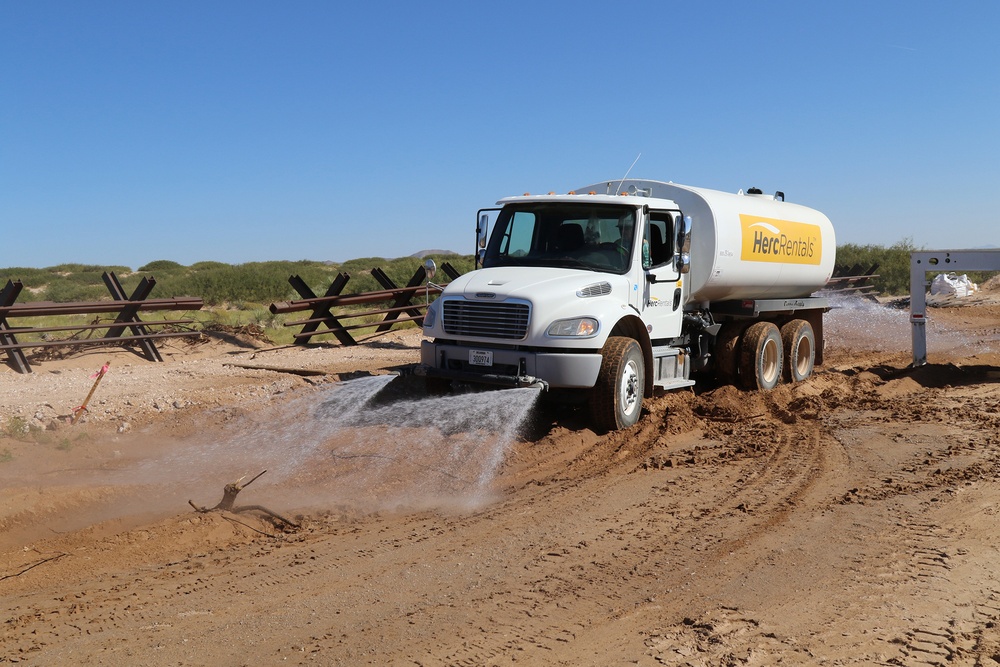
x=279, y=369
x=229, y=498
x=33, y=566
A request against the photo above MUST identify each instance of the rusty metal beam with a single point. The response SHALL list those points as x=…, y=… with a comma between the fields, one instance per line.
x=46, y=308
x=281, y=307
x=88, y=341
x=351, y=316
x=357, y=326
x=81, y=327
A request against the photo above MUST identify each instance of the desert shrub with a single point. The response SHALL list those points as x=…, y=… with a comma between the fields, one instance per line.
x=257, y=281
x=263, y=318
x=218, y=283
x=16, y=427
x=94, y=269
x=61, y=289
x=30, y=277
x=161, y=265
x=892, y=263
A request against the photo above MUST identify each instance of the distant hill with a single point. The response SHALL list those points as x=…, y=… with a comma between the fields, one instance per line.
x=424, y=253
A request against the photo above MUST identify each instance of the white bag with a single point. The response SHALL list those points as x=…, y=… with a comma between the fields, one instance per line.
x=950, y=283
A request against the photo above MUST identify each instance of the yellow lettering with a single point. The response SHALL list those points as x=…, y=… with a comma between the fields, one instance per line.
x=782, y=241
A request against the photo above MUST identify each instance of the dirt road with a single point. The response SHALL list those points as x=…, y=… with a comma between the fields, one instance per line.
x=848, y=520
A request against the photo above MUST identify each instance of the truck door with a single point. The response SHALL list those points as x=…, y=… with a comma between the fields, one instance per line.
x=662, y=309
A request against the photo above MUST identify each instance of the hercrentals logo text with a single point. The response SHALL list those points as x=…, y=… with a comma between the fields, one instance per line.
x=784, y=241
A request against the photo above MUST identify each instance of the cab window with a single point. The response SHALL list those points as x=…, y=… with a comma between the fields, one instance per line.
x=659, y=236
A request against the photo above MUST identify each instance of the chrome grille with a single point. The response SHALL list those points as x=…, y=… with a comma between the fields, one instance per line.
x=486, y=320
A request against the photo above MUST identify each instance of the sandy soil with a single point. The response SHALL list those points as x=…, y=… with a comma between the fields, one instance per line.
x=848, y=520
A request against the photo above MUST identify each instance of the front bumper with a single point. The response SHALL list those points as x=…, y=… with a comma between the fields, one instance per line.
x=511, y=368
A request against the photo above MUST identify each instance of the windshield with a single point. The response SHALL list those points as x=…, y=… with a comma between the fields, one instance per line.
x=593, y=237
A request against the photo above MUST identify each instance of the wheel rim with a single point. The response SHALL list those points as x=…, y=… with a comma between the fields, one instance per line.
x=628, y=389
x=770, y=361
x=803, y=352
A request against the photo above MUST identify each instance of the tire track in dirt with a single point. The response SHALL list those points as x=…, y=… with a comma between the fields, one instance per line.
x=956, y=604
x=696, y=539
x=927, y=601
x=664, y=536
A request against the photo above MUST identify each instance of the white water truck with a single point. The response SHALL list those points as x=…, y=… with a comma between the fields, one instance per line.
x=624, y=288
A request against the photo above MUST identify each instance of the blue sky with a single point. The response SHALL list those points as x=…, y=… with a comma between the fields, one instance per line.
x=247, y=131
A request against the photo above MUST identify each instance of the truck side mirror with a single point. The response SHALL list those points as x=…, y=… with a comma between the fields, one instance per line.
x=684, y=263
x=682, y=245
x=482, y=230
x=482, y=233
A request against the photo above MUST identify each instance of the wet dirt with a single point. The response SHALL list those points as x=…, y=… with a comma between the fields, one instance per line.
x=847, y=520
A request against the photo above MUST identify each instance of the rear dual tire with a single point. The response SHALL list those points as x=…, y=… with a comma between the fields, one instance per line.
x=761, y=357
x=799, y=341
x=767, y=355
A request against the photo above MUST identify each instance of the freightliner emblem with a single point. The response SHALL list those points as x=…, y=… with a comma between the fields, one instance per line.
x=486, y=295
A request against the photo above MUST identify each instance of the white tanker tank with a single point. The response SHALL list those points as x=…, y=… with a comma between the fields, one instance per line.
x=745, y=246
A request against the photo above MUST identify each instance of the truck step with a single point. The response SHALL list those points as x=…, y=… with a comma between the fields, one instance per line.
x=670, y=368
x=673, y=383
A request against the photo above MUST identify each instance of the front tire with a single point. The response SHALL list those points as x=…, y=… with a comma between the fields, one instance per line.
x=616, y=399
x=761, y=357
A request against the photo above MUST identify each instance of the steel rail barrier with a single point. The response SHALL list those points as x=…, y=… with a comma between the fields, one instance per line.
x=402, y=308
x=127, y=309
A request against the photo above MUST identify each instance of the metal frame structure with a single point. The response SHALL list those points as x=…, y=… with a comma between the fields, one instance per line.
x=945, y=261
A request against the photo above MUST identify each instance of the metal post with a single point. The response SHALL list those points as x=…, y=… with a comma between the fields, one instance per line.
x=918, y=309
x=944, y=261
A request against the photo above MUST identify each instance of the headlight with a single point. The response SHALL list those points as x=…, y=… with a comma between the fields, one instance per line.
x=430, y=316
x=579, y=326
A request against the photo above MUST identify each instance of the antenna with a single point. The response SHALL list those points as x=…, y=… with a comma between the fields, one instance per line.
x=622, y=182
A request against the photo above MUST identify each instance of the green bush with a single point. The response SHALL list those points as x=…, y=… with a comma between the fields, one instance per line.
x=64, y=289
x=892, y=264
x=87, y=268
x=218, y=283
x=30, y=277
x=162, y=265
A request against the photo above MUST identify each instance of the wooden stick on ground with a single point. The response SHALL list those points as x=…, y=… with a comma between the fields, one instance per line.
x=229, y=498
x=83, y=406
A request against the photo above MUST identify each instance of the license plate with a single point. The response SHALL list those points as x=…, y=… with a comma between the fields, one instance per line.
x=480, y=358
